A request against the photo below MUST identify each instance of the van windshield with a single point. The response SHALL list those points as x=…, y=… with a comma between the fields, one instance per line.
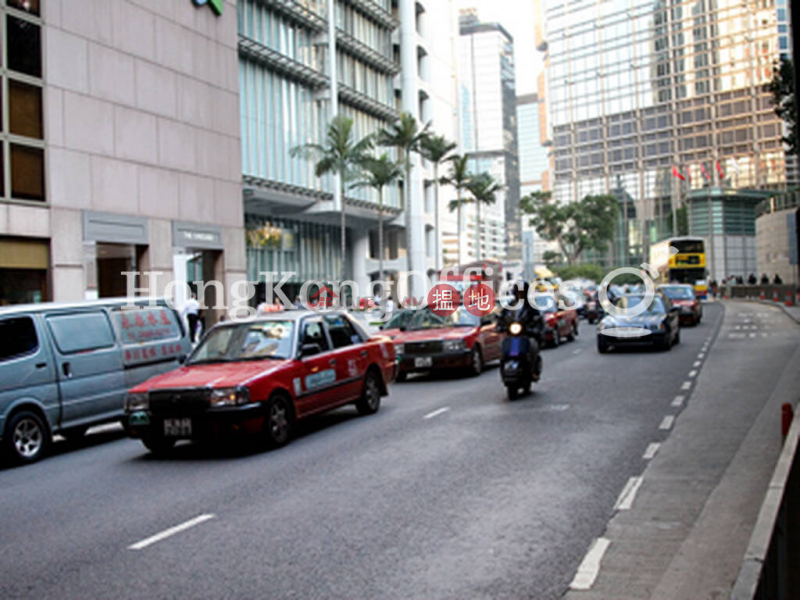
x=246, y=341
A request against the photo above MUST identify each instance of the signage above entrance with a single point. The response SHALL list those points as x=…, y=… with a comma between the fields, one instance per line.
x=216, y=5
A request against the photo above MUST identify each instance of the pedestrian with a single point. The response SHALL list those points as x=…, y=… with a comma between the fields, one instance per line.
x=191, y=312
x=752, y=279
x=712, y=285
x=764, y=279
x=739, y=280
x=777, y=279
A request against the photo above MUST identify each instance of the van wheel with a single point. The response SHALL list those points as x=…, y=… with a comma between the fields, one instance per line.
x=158, y=446
x=278, y=422
x=26, y=437
x=370, y=400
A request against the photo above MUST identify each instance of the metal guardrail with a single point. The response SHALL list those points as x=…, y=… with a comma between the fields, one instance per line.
x=769, y=570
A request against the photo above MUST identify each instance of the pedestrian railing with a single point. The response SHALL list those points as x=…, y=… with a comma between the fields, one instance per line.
x=770, y=567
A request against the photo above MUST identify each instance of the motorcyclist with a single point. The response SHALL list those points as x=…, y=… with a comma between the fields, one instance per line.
x=522, y=311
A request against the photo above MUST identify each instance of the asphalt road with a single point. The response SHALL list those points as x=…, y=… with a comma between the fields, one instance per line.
x=487, y=499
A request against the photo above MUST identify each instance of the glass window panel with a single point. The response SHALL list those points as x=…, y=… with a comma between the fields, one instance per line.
x=27, y=172
x=25, y=109
x=24, y=46
x=29, y=6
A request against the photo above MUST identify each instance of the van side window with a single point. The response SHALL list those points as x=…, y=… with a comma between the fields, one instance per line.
x=81, y=332
x=19, y=338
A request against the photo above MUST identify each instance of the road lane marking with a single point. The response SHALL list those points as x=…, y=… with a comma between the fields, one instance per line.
x=435, y=413
x=590, y=565
x=697, y=363
x=578, y=351
x=651, y=451
x=170, y=532
x=752, y=335
x=693, y=373
x=701, y=355
x=667, y=422
x=686, y=385
x=628, y=494
x=678, y=400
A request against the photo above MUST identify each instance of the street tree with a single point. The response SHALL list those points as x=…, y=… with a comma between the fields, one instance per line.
x=379, y=173
x=435, y=148
x=587, y=224
x=458, y=178
x=782, y=88
x=341, y=154
x=483, y=188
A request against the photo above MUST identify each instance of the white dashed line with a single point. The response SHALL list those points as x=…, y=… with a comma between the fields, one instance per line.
x=578, y=351
x=436, y=413
x=678, y=400
x=752, y=335
x=626, y=497
x=693, y=373
x=697, y=363
x=651, y=451
x=701, y=355
x=686, y=385
x=590, y=565
x=170, y=532
x=667, y=422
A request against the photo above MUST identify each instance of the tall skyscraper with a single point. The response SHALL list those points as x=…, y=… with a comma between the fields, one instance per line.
x=639, y=87
x=487, y=94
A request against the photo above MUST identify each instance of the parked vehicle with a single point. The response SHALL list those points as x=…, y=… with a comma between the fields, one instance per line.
x=67, y=367
x=685, y=298
x=656, y=326
x=260, y=377
x=458, y=341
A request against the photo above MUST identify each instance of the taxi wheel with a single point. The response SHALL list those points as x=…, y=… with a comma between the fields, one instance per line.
x=556, y=338
x=278, y=424
x=573, y=333
x=26, y=438
x=476, y=368
x=370, y=400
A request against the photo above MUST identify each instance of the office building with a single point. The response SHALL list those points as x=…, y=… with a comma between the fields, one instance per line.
x=488, y=129
x=122, y=147
x=638, y=88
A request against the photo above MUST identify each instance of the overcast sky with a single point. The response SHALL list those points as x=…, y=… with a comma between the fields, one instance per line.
x=517, y=17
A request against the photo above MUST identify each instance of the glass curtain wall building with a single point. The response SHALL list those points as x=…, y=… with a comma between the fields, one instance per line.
x=284, y=75
x=487, y=93
x=639, y=87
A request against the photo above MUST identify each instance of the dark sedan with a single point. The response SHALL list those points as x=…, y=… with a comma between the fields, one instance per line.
x=655, y=325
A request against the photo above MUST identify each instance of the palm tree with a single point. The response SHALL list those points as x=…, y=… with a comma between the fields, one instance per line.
x=341, y=154
x=483, y=188
x=406, y=136
x=380, y=172
x=459, y=178
x=435, y=148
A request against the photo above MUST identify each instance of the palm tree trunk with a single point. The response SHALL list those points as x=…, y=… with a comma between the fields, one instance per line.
x=478, y=229
x=438, y=236
x=380, y=236
x=343, y=268
x=458, y=213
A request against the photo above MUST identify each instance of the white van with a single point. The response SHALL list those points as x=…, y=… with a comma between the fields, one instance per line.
x=67, y=367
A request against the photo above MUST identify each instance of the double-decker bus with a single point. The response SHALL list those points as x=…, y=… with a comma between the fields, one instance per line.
x=687, y=266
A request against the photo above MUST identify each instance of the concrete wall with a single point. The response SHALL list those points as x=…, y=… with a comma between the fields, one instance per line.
x=142, y=118
x=772, y=246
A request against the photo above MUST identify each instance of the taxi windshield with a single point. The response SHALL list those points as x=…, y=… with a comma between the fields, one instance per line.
x=678, y=292
x=427, y=319
x=246, y=341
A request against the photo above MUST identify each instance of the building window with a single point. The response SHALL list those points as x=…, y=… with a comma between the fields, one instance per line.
x=22, y=126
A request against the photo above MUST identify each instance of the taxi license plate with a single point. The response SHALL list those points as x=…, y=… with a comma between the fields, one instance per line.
x=177, y=427
x=425, y=361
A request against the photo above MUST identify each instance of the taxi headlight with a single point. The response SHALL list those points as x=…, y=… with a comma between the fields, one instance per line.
x=515, y=328
x=453, y=345
x=137, y=401
x=229, y=397
x=399, y=349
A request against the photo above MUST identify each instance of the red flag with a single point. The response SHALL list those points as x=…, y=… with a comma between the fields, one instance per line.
x=720, y=171
x=678, y=174
x=705, y=173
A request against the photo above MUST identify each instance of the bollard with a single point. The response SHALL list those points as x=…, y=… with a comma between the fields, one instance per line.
x=787, y=414
x=775, y=296
x=789, y=299
x=763, y=295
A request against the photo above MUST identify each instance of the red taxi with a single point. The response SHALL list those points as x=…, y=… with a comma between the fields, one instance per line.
x=560, y=323
x=685, y=298
x=460, y=340
x=260, y=376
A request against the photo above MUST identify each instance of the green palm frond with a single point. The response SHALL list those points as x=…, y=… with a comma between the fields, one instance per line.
x=436, y=147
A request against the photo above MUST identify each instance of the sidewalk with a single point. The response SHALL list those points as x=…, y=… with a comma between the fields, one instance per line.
x=687, y=529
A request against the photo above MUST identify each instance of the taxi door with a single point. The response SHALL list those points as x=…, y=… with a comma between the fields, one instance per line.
x=316, y=382
x=350, y=353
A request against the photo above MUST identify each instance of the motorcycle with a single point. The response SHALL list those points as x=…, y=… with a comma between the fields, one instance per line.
x=521, y=364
